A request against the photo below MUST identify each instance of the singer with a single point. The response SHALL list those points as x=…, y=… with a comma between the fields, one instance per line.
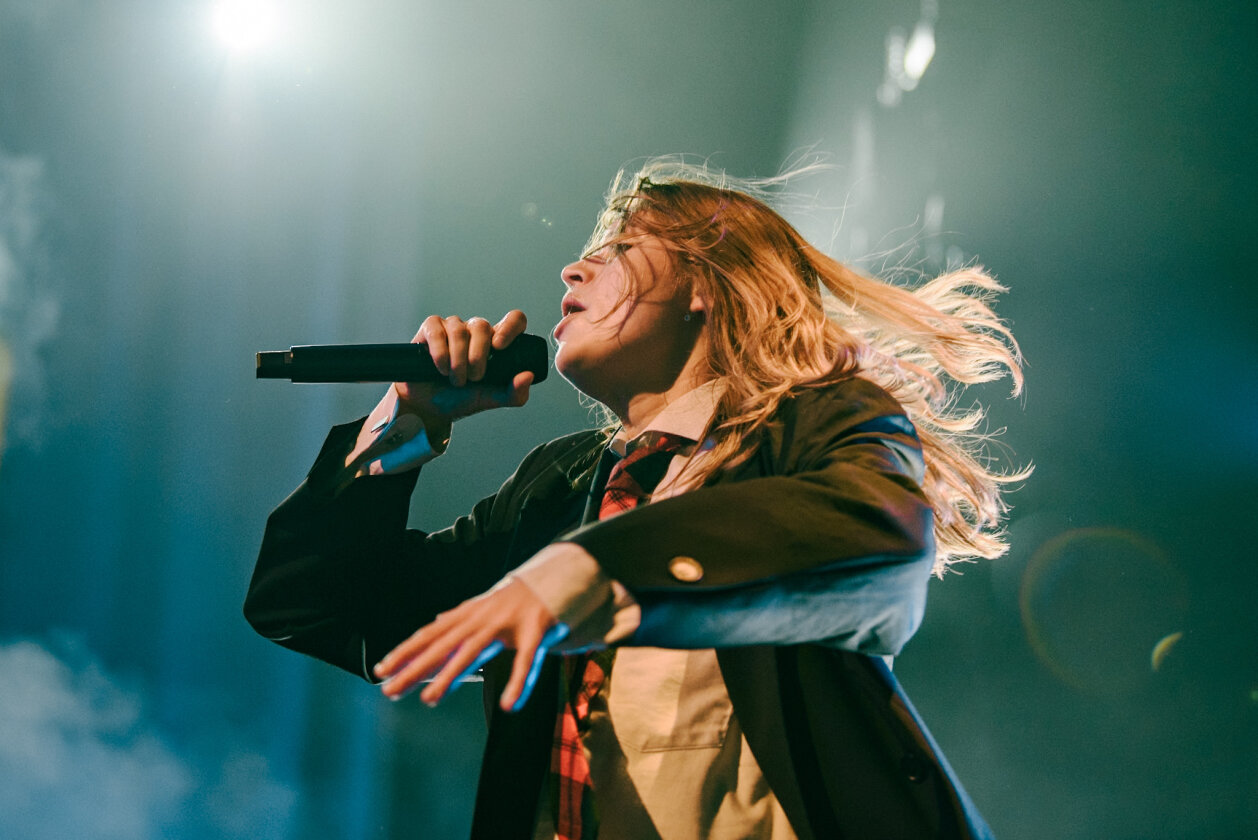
x=685, y=618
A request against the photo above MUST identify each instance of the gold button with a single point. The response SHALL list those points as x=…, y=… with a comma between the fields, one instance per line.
x=686, y=569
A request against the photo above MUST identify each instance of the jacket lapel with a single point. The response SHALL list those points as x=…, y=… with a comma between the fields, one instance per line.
x=554, y=501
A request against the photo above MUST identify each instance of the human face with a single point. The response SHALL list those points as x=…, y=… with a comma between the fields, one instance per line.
x=624, y=329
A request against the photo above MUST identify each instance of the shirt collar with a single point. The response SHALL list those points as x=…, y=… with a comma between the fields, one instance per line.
x=687, y=416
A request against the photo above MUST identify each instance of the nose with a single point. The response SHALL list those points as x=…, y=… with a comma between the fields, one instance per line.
x=574, y=273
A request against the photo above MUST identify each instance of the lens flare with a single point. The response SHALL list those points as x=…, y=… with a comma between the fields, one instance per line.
x=1163, y=649
x=1095, y=601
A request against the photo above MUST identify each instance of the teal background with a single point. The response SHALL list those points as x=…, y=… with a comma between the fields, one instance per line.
x=168, y=208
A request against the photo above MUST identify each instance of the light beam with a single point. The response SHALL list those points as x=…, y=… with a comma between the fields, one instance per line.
x=245, y=25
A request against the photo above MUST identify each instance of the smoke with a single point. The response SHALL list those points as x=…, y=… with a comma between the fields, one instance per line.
x=80, y=757
x=28, y=311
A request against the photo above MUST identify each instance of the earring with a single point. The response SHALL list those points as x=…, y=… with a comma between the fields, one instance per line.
x=686, y=318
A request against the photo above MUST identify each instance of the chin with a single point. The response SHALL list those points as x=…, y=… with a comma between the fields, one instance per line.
x=568, y=367
x=580, y=372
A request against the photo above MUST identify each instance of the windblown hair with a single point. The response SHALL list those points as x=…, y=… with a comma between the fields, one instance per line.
x=785, y=316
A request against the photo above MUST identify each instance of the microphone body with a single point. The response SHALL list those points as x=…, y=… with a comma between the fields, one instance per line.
x=395, y=363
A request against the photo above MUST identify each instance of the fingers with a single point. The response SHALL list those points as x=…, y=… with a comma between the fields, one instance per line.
x=455, y=644
x=511, y=326
x=460, y=339
x=480, y=336
x=462, y=640
x=528, y=654
x=460, y=349
x=444, y=652
x=525, y=669
x=470, y=656
x=518, y=393
x=416, y=658
x=433, y=334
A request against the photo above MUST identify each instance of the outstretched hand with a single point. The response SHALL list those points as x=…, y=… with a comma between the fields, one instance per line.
x=460, y=641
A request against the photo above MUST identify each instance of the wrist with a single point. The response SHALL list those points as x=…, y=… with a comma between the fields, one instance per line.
x=436, y=428
x=422, y=405
x=395, y=438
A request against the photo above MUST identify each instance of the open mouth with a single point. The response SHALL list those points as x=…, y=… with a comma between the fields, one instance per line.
x=568, y=306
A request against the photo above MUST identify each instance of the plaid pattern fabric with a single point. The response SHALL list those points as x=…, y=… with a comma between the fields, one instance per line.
x=634, y=477
x=575, y=818
x=629, y=483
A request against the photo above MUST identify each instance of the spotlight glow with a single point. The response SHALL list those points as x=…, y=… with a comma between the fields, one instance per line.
x=246, y=25
x=919, y=51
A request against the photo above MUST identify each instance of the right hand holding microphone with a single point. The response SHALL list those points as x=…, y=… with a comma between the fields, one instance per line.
x=460, y=350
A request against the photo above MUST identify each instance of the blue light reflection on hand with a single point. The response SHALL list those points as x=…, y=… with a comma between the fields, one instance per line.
x=491, y=650
x=553, y=636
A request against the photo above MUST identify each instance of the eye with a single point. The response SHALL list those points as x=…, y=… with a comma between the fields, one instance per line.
x=607, y=253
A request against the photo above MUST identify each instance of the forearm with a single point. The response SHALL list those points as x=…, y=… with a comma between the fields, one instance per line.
x=866, y=603
x=874, y=611
x=339, y=573
x=836, y=549
x=744, y=531
x=322, y=553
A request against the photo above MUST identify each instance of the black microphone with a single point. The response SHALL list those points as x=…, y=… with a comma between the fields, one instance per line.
x=395, y=363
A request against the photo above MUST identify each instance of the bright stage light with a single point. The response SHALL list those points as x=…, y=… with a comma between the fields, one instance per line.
x=919, y=51
x=246, y=25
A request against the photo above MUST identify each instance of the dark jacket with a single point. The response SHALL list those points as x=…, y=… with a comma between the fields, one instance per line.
x=815, y=555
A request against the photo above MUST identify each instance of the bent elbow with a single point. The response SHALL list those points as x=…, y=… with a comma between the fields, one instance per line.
x=265, y=622
x=889, y=632
x=888, y=608
x=275, y=608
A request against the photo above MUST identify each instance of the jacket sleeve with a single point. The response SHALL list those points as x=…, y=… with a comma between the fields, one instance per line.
x=341, y=578
x=824, y=536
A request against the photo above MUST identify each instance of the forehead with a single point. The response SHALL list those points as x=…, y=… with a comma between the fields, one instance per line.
x=617, y=220
x=610, y=229
x=622, y=234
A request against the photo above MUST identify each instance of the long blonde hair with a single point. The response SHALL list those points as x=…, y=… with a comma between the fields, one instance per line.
x=783, y=315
